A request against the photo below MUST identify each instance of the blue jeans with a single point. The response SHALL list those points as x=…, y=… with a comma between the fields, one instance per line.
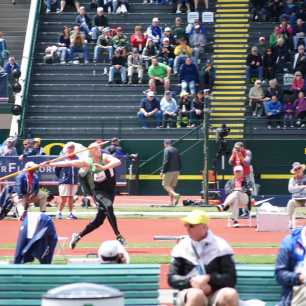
x=112, y=72
x=48, y=4
x=83, y=50
x=258, y=72
x=98, y=50
x=190, y=85
x=178, y=62
x=143, y=120
x=64, y=54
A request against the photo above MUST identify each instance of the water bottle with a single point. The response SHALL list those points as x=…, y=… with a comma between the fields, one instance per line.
x=94, y=72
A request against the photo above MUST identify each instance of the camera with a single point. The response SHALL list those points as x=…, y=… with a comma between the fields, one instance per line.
x=222, y=131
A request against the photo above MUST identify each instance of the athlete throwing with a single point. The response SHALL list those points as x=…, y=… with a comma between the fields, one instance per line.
x=97, y=178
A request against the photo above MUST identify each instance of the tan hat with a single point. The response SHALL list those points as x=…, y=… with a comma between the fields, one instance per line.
x=295, y=166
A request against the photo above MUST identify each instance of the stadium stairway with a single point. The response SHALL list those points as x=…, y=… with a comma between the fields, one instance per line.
x=13, y=23
x=230, y=48
x=75, y=102
x=256, y=128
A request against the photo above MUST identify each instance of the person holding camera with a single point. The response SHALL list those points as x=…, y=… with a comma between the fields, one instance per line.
x=238, y=190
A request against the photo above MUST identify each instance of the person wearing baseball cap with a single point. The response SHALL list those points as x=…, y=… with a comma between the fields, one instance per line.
x=27, y=190
x=297, y=187
x=238, y=191
x=202, y=265
x=113, y=252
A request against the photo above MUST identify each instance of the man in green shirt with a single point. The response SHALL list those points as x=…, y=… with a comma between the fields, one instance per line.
x=159, y=73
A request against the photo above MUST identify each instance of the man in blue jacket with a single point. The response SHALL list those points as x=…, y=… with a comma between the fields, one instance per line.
x=189, y=76
x=290, y=268
x=27, y=190
x=273, y=109
x=37, y=239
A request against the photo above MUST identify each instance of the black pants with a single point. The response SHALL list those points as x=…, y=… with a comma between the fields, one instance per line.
x=104, y=201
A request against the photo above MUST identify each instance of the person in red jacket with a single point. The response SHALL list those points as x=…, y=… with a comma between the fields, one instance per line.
x=138, y=39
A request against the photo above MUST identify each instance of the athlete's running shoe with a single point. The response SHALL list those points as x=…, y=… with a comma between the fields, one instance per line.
x=74, y=240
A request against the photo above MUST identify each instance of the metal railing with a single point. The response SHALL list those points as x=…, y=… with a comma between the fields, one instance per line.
x=156, y=155
x=17, y=125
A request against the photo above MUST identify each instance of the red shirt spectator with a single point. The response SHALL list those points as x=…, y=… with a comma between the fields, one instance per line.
x=138, y=40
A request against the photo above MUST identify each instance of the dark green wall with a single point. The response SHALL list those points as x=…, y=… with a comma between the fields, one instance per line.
x=269, y=157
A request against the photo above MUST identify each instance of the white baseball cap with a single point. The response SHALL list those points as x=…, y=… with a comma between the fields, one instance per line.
x=238, y=168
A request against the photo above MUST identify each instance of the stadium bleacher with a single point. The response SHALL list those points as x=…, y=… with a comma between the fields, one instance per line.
x=75, y=101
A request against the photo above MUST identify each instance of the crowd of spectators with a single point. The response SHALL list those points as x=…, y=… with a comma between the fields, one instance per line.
x=30, y=147
x=277, y=65
x=155, y=55
x=9, y=70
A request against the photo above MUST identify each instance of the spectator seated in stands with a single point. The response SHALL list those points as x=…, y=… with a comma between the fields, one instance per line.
x=120, y=40
x=274, y=36
x=159, y=73
x=184, y=110
x=297, y=83
x=54, y=3
x=167, y=34
x=10, y=67
x=299, y=31
x=181, y=51
x=289, y=113
x=135, y=62
x=166, y=52
x=4, y=53
x=148, y=52
x=254, y=65
x=36, y=146
x=300, y=107
x=149, y=107
x=207, y=76
x=104, y=43
x=259, y=10
x=274, y=90
x=257, y=97
x=8, y=147
x=27, y=149
x=63, y=49
x=122, y=7
x=84, y=22
x=285, y=30
x=275, y=8
x=197, y=41
x=115, y=149
x=179, y=30
x=299, y=61
x=100, y=22
x=168, y=107
x=138, y=39
x=154, y=31
x=273, y=110
x=281, y=53
x=189, y=76
x=198, y=104
x=78, y=44
x=262, y=46
x=118, y=65
x=74, y=3
x=269, y=62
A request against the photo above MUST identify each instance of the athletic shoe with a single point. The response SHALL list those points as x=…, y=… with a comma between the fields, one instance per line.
x=121, y=240
x=177, y=199
x=74, y=240
x=220, y=207
x=59, y=216
x=72, y=216
x=235, y=224
x=85, y=202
